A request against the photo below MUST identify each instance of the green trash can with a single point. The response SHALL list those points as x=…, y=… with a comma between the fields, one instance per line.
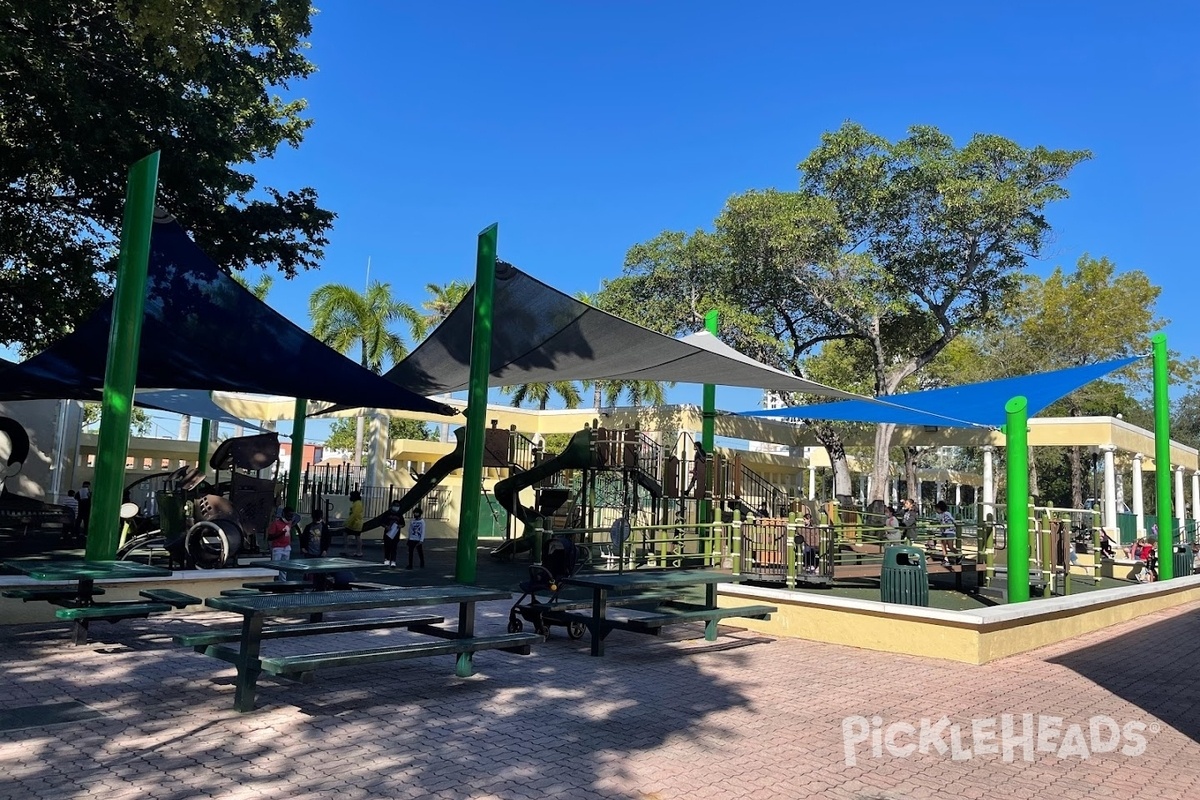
x=904, y=578
x=1182, y=560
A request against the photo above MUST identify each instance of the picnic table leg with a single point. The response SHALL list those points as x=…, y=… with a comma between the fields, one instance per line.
x=599, y=617
x=710, y=602
x=87, y=590
x=247, y=664
x=466, y=629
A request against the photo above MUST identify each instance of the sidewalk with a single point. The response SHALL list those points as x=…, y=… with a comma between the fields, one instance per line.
x=656, y=718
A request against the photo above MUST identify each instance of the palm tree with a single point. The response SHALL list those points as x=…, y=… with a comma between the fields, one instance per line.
x=540, y=393
x=261, y=288
x=443, y=298
x=345, y=318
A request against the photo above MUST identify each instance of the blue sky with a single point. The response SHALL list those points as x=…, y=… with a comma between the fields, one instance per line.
x=584, y=128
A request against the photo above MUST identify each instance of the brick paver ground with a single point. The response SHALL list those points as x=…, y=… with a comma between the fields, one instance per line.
x=654, y=719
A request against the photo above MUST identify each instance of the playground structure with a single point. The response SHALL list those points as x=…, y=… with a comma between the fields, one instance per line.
x=207, y=525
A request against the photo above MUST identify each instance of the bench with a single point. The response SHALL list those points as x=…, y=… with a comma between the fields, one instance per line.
x=710, y=616
x=170, y=597
x=279, y=586
x=110, y=612
x=301, y=667
x=240, y=592
x=543, y=615
x=367, y=586
x=48, y=593
x=200, y=641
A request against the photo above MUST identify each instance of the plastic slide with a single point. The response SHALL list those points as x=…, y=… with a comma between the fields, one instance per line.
x=577, y=455
x=425, y=484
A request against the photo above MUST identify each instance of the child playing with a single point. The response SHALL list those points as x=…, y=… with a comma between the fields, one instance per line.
x=946, y=525
x=354, y=525
x=314, y=542
x=392, y=525
x=416, y=538
x=279, y=536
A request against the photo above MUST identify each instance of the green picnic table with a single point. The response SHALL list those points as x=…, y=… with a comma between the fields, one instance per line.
x=249, y=636
x=669, y=613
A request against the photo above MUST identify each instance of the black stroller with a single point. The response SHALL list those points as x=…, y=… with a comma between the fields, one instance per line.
x=560, y=559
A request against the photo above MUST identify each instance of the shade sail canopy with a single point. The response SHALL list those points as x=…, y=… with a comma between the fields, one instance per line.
x=541, y=335
x=189, y=402
x=203, y=330
x=974, y=405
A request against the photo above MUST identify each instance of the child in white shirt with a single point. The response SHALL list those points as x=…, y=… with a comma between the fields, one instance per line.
x=416, y=538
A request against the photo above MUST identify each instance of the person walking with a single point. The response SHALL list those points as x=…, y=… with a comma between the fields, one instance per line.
x=416, y=538
x=71, y=527
x=84, y=496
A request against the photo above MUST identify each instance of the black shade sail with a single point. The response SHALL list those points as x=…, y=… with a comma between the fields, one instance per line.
x=203, y=330
x=541, y=335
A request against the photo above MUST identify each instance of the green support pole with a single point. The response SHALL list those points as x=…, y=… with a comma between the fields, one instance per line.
x=477, y=392
x=205, y=435
x=296, y=465
x=1016, y=413
x=120, y=372
x=1162, y=458
x=708, y=418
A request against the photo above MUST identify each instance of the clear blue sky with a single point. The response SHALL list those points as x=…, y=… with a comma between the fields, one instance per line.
x=583, y=128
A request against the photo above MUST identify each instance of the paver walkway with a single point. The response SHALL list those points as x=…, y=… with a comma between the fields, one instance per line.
x=654, y=719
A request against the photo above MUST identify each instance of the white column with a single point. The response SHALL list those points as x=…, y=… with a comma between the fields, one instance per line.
x=812, y=482
x=896, y=491
x=377, y=449
x=989, y=481
x=1196, y=495
x=958, y=494
x=1180, y=502
x=1110, y=488
x=1139, y=506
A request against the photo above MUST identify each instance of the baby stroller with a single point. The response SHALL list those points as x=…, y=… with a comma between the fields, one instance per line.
x=560, y=560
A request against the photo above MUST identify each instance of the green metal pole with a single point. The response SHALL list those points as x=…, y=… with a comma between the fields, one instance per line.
x=120, y=372
x=708, y=418
x=1016, y=413
x=1162, y=457
x=296, y=464
x=477, y=392
x=205, y=435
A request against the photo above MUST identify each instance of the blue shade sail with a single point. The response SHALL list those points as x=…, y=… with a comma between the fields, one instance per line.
x=973, y=405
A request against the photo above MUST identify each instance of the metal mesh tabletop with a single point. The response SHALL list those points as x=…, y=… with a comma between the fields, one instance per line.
x=314, y=602
x=645, y=579
x=86, y=570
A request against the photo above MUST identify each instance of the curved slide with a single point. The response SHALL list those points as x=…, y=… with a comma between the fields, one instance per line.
x=577, y=455
x=425, y=484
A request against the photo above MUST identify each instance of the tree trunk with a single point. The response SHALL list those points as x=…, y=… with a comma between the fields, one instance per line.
x=358, y=441
x=912, y=484
x=185, y=427
x=843, y=488
x=883, y=462
x=597, y=395
x=1034, y=489
x=1075, y=459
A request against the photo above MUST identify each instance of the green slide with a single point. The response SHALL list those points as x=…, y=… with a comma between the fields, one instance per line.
x=425, y=484
x=577, y=455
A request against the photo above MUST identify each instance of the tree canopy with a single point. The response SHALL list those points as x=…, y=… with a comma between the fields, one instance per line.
x=88, y=87
x=901, y=246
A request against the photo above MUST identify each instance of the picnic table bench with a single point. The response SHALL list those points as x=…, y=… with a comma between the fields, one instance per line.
x=247, y=655
x=670, y=613
x=78, y=599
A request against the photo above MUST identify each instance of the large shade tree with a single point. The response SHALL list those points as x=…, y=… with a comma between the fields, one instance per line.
x=88, y=87
x=902, y=246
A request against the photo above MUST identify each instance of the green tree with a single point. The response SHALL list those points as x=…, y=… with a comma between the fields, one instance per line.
x=342, y=432
x=903, y=246
x=346, y=319
x=140, y=422
x=260, y=288
x=539, y=394
x=89, y=87
x=443, y=298
x=1072, y=319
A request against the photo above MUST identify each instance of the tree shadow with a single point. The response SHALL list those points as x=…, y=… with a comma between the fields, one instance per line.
x=1150, y=667
x=557, y=722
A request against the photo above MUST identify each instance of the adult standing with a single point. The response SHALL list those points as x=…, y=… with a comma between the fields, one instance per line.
x=84, y=496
